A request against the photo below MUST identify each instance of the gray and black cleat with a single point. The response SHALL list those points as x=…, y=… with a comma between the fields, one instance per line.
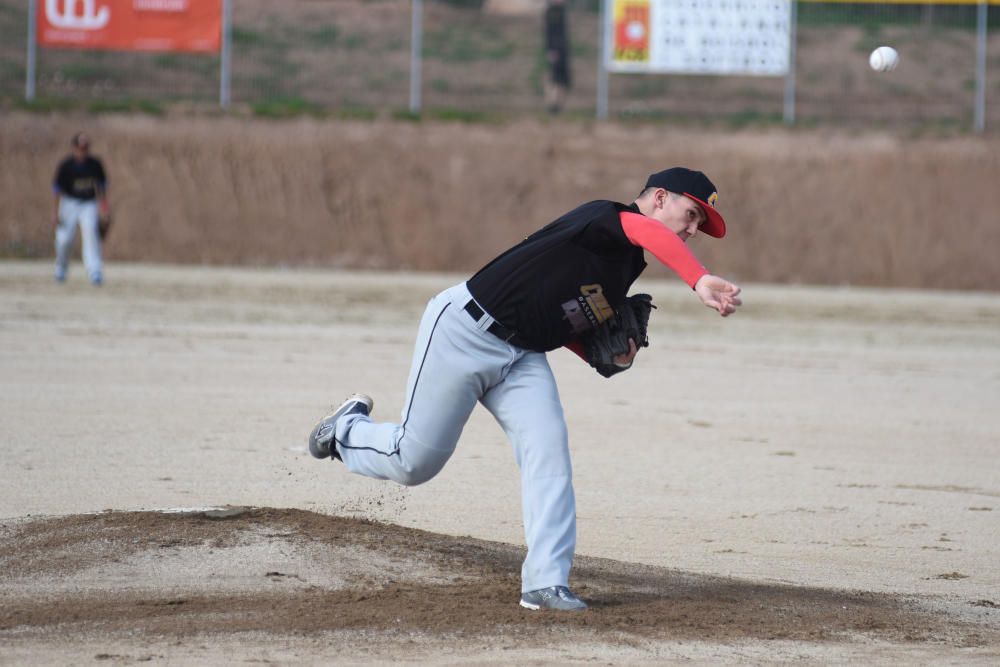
x=553, y=597
x=321, y=439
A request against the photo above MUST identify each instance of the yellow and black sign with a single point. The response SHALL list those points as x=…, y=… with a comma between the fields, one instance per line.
x=631, y=33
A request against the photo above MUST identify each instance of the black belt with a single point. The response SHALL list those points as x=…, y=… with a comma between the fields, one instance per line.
x=497, y=329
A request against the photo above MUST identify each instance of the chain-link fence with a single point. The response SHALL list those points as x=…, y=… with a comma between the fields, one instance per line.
x=353, y=57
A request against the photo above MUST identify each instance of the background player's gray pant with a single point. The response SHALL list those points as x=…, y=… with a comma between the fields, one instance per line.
x=456, y=363
x=84, y=212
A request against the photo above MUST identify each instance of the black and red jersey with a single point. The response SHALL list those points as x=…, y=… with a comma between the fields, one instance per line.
x=572, y=274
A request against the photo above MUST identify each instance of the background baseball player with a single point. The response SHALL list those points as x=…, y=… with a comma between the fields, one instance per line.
x=485, y=340
x=80, y=187
x=559, y=78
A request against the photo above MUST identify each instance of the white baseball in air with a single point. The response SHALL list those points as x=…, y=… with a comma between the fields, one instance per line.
x=884, y=59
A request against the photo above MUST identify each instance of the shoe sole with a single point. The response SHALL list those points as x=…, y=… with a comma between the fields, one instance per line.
x=537, y=607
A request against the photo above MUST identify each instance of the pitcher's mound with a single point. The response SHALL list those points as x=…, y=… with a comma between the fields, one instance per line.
x=291, y=572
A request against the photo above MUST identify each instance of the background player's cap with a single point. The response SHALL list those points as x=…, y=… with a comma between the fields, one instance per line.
x=693, y=184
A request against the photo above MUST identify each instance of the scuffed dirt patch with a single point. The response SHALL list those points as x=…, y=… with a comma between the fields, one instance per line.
x=291, y=572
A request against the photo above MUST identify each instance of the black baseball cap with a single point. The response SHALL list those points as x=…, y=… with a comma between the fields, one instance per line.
x=693, y=184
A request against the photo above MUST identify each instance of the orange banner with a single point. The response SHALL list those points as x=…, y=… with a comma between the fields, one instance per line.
x=131, y=25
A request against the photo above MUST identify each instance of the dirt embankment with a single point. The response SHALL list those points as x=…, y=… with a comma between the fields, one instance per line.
x=803, y=206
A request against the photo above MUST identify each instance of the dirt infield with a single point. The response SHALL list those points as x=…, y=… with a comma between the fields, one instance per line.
x=294, y=573
x=837, y=501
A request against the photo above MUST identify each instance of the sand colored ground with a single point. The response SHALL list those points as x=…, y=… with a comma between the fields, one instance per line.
x=812, y=480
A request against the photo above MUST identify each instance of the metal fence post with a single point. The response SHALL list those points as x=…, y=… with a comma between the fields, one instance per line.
x=793, y=19
x=603, y=43
x=416, y=54
x=979, y=116
x=225, y=65
x=29, y=78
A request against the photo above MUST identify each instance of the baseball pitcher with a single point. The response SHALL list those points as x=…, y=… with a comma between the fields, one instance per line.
x=485, y=340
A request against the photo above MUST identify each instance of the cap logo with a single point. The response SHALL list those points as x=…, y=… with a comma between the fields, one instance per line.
x=712, y=198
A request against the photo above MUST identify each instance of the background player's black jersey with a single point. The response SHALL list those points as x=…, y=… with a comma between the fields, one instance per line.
x=80, y=179
x=564, y=279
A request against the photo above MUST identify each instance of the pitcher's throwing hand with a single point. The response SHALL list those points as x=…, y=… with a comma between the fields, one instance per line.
x=718, y=293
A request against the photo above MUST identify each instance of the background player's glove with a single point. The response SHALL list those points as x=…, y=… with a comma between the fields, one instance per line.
x=104, y=225
x=610, y=339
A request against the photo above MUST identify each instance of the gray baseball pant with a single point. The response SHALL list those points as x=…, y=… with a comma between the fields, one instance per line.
x=84, y=212
x=457, y=362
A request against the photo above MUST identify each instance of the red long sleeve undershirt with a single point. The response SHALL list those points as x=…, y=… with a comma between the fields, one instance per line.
x=665, y=245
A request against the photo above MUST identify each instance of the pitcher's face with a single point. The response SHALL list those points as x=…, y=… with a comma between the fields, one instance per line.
x=678, y=213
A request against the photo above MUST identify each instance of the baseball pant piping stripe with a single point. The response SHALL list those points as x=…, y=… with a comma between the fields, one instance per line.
x=370, y=449
x=413, y=393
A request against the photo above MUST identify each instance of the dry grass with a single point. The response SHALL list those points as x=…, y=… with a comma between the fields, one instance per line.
x=803, y=206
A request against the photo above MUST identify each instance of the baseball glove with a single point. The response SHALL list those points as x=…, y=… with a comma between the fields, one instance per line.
x=104, y=225
x=610, y=339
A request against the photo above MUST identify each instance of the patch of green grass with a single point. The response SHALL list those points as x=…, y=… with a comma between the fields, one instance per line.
x=439, y=85
x=126, y=105
x=941, y=127
x=871, y=36
x=87, y=72
x=736, y=120
x=569, y=115
x=865, y=15
x=199, y=64
x=821, y=14
x=389, y=80
x=462, y=116
x=356, y=41
x=249, y=38
x=406, y=115
x=539, y=70
x=245, y=36
x=168, y=61
x=644, y=85
x=355, y=113
x=13, y=23
x=748, y=117
x=287, y=107
x=278, y=62
x=263, y=84
x=447, y=115
x=645, y=116
x=755, y=94
x=11, y=71
x=48, y=104
x=13, y=10
x=13, y=36
x=464, y=4
x=20, y=250
x=581, y=49
x=324, y=35
x=453, y=44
